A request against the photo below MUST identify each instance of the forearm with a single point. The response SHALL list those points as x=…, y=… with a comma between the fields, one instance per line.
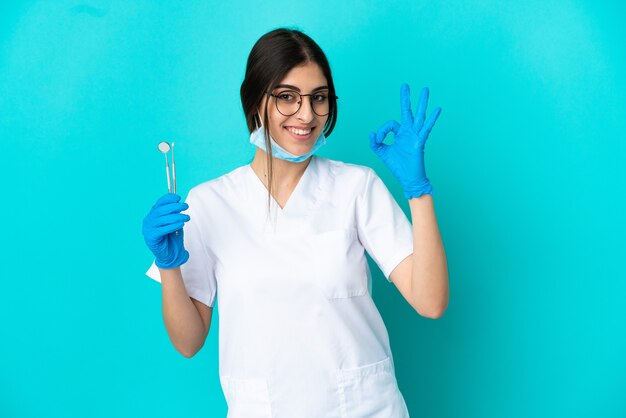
x=429, y=281
x=182, y=320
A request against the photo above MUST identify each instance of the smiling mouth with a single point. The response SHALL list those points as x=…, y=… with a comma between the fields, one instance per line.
x=298, y=133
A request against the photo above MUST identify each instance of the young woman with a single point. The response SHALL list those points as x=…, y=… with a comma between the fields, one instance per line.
x=281, y=243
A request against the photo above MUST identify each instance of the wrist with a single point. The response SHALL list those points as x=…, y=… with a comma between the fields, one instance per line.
x=413, y=191
x=179, y=260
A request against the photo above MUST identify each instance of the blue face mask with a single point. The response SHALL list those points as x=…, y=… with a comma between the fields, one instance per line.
x=258, y=138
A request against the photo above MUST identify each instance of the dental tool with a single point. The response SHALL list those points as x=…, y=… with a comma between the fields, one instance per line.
x=173, y=169
x=164, y=147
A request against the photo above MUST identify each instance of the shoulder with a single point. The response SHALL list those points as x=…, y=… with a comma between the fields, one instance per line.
x=345, y=170
x=343, y=181
x=221, y=185
x=347, y=177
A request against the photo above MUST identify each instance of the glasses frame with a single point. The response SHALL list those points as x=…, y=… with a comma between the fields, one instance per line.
x=275, y=96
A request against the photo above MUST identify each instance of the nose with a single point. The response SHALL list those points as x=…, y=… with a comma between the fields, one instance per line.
x=305, y=113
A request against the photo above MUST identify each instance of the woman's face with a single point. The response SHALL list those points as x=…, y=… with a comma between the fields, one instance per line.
x=303, y=79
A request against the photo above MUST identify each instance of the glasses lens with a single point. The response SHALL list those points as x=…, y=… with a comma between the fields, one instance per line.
x=320, y=103
x=288, y=102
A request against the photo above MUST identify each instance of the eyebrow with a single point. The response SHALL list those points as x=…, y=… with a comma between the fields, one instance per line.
x=297, y=89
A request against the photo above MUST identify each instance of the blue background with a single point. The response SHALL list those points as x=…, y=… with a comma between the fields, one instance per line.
x=525, y=160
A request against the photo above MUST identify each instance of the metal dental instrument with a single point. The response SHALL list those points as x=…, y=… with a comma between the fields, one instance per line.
x=164, y=147
x=173, y=169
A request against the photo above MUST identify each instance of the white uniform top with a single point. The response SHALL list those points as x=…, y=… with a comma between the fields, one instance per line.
x=299, y=333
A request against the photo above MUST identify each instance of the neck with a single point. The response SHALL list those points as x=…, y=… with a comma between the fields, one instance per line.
x=285, y=172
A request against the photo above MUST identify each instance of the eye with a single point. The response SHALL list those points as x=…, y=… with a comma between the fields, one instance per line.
x=320, y=97
x=286, y=96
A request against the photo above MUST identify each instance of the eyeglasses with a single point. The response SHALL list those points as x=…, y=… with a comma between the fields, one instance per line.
x=288, y=102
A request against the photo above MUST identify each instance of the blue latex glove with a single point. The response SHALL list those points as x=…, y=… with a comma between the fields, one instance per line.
x=405, y=157
x=159, y=228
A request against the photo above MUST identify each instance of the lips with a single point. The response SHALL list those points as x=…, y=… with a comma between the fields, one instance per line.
x=300, y=137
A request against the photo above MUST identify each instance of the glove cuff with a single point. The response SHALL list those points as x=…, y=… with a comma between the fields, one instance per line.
x=179, y=261
x=425, y=188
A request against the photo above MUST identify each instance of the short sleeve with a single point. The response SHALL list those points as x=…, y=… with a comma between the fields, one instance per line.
x=199, y=270
x=383, y=228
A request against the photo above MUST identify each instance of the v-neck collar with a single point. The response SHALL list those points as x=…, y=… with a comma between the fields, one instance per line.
x=295, y=202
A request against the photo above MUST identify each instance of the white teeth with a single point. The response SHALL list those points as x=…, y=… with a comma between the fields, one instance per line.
x=299, y=131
